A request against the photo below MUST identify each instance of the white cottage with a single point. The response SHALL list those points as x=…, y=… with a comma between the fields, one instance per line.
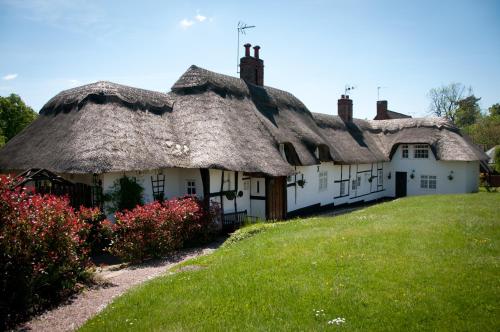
x=256, y=150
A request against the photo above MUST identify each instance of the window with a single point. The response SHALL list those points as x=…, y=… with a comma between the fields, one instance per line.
x=323, y=180
x=404, y=150
x=356, y=183
x=428, y=182
x=191, y=187
x=258, y=187
x=432, y=182
x=421, y=151
x=342, y=188
x=380, y=178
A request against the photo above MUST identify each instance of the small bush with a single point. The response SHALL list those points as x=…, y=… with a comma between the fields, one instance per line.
x=496, y=159
x=158, y=228
x=125, y=194
x=99, y=230
x=43, y=253
x=247, y=232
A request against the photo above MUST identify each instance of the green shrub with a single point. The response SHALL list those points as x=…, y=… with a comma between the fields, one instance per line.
x=497, y=159
x=125, y=194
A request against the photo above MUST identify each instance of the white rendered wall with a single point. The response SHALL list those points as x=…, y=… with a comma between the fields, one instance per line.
x=465, y=174
x=310, y=194
x=243, y=202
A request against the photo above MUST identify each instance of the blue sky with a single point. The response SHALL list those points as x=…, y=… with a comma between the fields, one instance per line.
x=310, y=48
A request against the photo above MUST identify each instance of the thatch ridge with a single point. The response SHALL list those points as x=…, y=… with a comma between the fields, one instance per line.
x=104, y=91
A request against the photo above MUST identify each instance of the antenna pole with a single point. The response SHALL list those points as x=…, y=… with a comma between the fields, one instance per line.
x=241, y=29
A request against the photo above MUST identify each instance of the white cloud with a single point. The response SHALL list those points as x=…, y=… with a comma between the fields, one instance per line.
x=9, y=77
x=200, y=18
x=185, y=23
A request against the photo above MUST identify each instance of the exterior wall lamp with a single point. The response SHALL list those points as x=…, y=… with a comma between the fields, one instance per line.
x=412, y=175
x=450, y=176
x=389, y=175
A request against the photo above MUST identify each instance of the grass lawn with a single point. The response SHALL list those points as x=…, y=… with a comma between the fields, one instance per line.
x=419, y=263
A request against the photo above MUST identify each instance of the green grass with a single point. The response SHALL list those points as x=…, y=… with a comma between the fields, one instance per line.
x=420, y=263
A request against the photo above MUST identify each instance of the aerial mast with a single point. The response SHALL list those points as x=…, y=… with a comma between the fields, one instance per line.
x=241, y=30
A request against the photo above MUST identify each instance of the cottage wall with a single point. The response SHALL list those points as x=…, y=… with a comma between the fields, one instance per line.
x=338, y=188
x=451, y=176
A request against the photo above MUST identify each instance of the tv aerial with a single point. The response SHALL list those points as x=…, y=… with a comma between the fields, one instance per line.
x=378, y=91
x=348, y=88
x=241, y=30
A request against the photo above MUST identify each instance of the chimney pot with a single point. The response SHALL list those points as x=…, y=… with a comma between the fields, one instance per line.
x=247, y=49
x=256, y=51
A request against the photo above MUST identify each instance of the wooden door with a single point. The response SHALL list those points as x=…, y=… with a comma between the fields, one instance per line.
x=276, y=198
x=400, y=184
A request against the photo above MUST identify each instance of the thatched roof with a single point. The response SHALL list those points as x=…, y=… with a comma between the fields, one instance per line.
x=396, y=115
x=208, y=120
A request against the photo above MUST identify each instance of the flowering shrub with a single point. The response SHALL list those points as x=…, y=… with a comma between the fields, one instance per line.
x=158, y=228
x=43, y=254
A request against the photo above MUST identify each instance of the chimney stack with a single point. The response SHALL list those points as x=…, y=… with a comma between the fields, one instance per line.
x=345, y=108
x=252, y=68
x=382, y=110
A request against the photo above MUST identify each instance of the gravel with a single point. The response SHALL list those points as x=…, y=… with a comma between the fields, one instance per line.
x=113, y=281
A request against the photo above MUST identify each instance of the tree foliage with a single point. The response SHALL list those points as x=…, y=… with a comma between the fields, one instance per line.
x=486, y=131
x=15, y=115
x=496, y=159
x=494, y=109
x=445, y=100
x=468, y=111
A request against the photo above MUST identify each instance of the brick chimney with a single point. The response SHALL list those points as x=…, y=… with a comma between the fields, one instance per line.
x=252, y=68
x=345, y=108
x=382, y=110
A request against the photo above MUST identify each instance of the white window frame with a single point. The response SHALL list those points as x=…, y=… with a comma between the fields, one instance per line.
x=342, y=188
x=380, y=177
x=428, y=182
x=323, y=180
x=191, y=187
x=421, y=151
x=405, y=151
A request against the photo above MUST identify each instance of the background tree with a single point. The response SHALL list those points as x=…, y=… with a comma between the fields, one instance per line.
x=486, y=130
x=494, y=109
x=468, y=111
x=15, y=115
x=445, y=99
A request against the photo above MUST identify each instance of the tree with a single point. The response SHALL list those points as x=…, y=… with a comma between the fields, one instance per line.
x=15, y=115
x=445, y=99
x=494, y=109
x=486, y=131
x=468, y=111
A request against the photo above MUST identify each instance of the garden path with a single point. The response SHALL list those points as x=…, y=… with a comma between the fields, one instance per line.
x=113, y=281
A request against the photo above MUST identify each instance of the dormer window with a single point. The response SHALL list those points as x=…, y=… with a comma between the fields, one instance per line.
x=421, y=151
x=404, y=149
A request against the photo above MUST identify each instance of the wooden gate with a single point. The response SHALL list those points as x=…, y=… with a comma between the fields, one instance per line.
x=276, y=198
